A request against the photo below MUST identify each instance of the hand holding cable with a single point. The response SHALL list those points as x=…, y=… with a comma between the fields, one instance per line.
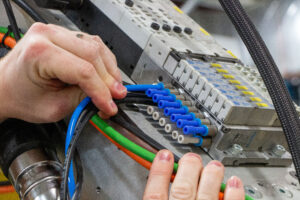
x=51, y=69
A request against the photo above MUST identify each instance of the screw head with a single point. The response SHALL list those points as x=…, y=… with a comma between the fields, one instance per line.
x=278, y=150
x=236, y=149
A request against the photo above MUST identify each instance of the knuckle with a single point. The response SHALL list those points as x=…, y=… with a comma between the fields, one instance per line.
x=39, y=28
x=114, y=58
x=182, y=191
x=36, y=46
x=115, y=71
x=94, y=52
x=155, y=196
x=97, y=39
x=87, y=71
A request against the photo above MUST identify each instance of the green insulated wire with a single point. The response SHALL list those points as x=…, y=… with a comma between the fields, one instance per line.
x=4, y=30
x=124, y=142
x=127, y=144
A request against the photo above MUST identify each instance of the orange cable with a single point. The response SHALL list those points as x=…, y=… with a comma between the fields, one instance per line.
x=138, y=159
x=135, y=157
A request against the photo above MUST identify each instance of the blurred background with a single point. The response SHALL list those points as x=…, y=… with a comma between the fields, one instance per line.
x=278, y=21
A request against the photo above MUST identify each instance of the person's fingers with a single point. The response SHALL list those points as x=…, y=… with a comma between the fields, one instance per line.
x=159, y=177
x=85, y=47
x=109, y=59
x=103, y=115
x=72, y=70
x=210, y=181
x=187, y=178
x=234, y=189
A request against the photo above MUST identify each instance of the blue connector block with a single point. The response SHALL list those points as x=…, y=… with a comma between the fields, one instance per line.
x=194, y=130
x=164, y=104
x=200, y=142
x=151, y=92
x=176, y=117
x=169, y=111
x=137, y=88
x=158, y=97
x=182, y=123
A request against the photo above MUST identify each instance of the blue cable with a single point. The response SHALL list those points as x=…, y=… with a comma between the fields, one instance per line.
x=74, y=119
x=70, y=133
x=137, y=88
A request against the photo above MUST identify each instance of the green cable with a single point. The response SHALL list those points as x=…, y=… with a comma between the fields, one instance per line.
x=124, y=142
x=4, y=30
x=127, y=144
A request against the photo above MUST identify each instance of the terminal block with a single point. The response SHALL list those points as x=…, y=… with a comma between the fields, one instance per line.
x=156, y=42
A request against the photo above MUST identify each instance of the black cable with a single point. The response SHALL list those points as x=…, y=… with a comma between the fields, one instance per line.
x=270, y=74
x=136, y=100
x=128, y=124
x=137, y=94
x=12, y=19
x=79, y=171
x=85, y=116
x=30, y=11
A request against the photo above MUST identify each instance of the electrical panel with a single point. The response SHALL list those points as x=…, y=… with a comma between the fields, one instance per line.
x=154, y=41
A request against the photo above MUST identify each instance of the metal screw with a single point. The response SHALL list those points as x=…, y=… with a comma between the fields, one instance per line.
x=236, y=149
x=278, y=150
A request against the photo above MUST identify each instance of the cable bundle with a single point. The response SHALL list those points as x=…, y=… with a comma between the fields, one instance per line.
x=79, y=118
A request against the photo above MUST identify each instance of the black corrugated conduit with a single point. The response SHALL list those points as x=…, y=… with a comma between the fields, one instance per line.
x=271, y=76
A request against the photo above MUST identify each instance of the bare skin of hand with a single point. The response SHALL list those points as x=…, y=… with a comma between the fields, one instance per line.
x=193, y=181
x=52, y=69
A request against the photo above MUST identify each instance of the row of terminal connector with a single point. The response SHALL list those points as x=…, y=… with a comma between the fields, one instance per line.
x=179, y=117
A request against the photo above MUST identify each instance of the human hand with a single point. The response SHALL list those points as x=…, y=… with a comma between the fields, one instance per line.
x=192, y=181
x=52, y=69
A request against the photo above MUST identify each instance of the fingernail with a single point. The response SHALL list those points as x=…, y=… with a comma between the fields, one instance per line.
x=218, y=164
x=164, y=156
x=194, y=155
x=234, y=182
x=113, y=106
x=119, y=87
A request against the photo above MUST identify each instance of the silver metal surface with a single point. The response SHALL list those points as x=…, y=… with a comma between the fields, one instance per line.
x=35, y=177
